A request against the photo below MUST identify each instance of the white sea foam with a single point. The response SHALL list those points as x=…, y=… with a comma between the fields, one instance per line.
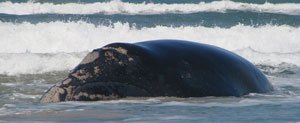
x=25, y=96
x=29, y=63
x=119, y=7
x=250, y=100
x=56, y=46
x=59, y=36
x=272, y=59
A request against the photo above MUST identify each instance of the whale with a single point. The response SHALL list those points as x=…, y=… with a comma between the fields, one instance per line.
x=159, y=68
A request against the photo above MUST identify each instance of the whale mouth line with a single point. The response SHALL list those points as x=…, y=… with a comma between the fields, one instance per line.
x=107, y=91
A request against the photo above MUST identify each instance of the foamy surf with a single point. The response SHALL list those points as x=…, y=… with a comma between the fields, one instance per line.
x=59, y=46
x=119, y=7
x=33, y=63
x=40, y=63
x=55, y=37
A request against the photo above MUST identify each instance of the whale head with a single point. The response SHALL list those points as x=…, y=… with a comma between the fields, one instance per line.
x=104, y=74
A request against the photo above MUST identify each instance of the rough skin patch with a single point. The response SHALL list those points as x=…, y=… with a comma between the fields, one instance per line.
x=67, y=81
x=53, y=95
x=69, y=94
x=122, y=50
x=90, y=58
x=96, y=69
x=81, y=75
x=94, y=96
x=119, y=49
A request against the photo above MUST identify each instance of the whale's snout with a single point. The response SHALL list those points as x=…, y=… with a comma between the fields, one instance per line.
x=91, y=92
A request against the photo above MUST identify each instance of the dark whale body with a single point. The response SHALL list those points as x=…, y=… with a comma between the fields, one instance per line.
x=159, y=68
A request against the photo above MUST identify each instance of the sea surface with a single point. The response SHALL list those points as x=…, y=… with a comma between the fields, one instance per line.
x=42, y=40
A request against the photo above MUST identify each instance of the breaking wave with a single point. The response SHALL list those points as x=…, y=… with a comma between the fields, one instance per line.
x=57, y=46
x=119, y=7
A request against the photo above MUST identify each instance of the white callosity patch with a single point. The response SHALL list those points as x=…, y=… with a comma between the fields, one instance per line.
x=120, y=50
x=62, y=91
x=82, y=75
x=67, y=81
x=90, y=57
x=53, y=95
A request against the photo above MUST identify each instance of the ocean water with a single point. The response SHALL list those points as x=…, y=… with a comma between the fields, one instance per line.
x=41, y=41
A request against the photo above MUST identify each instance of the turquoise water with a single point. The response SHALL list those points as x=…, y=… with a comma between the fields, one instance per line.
x=41, y=41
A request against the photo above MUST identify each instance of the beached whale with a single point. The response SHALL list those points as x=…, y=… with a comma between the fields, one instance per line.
x=159, y=68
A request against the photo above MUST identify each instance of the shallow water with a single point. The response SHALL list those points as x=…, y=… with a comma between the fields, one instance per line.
x=42, y=41
x=20, y=95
